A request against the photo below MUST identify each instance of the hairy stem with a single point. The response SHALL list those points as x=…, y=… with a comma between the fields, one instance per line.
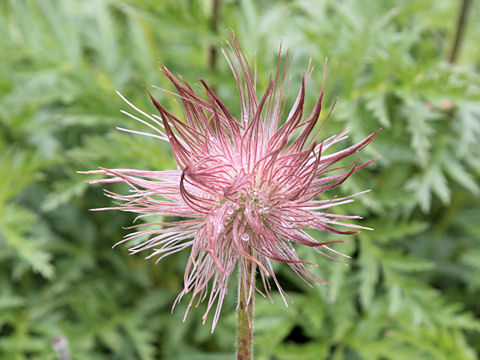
x=245, y=313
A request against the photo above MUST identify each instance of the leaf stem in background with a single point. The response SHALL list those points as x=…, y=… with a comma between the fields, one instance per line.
x=245, y=313
x=214, y=20
x=460, y=30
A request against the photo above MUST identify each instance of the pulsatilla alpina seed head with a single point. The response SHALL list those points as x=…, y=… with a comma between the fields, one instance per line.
x=247, y=188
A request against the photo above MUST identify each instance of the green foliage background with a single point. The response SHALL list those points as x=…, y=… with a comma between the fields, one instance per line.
x=411, y=290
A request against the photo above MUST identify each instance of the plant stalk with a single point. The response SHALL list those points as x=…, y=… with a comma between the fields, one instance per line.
x=460, y=29
x=214, y=20
x=245, y=313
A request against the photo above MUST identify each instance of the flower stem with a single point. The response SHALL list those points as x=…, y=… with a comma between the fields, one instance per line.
x=245, y=313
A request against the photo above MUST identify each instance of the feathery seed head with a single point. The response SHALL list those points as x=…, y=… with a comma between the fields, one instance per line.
x=247, y=189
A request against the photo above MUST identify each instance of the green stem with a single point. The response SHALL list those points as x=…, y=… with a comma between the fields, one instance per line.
x=460, y=29
x=214, y=20
x=245, y=314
